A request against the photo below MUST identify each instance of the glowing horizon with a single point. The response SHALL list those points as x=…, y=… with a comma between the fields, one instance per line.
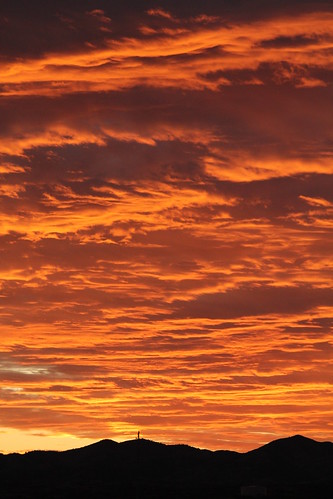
x=166, y=204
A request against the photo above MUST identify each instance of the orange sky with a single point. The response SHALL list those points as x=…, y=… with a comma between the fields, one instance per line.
x=166, y=222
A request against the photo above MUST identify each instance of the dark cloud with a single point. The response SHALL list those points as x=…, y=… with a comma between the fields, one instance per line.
x=272, y=74
x=284, y=122
x=289, y=41
x=34, y=28
x=71, y=25
x=277, y=197
x=251, y=301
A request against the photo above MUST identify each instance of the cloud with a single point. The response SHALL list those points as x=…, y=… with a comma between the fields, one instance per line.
x=166, y=205
x=249, y=301
x=160, y=13
x=289, y=41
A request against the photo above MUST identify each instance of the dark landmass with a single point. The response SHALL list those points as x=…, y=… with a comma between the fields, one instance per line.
x=293, y=468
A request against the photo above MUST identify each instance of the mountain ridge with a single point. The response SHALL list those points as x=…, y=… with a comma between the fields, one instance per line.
x=295, y=467
x=109, y=442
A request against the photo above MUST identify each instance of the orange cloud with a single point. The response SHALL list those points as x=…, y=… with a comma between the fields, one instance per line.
x=165, y=230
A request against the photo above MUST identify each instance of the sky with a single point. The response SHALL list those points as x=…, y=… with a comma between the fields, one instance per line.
x=166, y=205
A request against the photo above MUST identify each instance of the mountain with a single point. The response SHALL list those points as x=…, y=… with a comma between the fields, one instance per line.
x=293, y=468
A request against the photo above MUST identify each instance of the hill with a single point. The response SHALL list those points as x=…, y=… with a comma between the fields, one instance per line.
x=293, y=468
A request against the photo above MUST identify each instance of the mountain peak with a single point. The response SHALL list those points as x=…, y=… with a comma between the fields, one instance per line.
x=97, y=447
x=291, y=447
x=294, y=440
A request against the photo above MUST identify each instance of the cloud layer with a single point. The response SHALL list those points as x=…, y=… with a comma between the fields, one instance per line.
x=166, y=221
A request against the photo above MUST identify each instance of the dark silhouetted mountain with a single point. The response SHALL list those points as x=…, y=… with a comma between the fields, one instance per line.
x=293, y=468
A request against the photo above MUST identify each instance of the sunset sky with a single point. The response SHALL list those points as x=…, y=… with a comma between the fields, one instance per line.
x=166, y=206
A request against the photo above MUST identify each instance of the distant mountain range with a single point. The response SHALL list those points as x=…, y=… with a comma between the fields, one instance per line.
x=293, y=468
